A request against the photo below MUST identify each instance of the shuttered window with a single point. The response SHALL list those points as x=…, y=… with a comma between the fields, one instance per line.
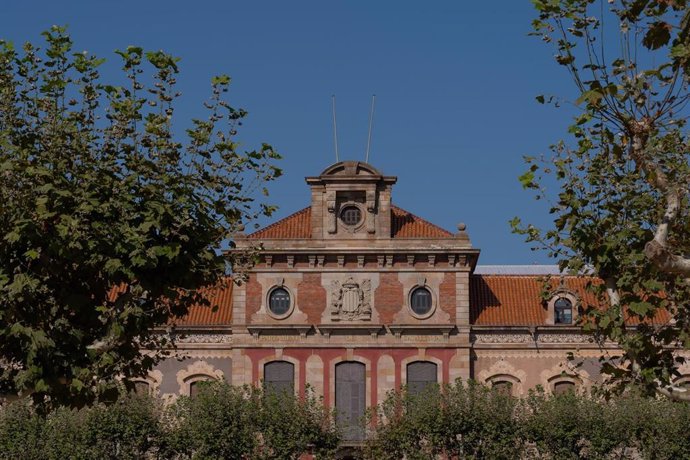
x=420, y=374
x=350, y=399
x=279, y=377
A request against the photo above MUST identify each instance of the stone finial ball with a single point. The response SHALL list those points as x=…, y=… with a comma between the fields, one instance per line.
x=462, y=227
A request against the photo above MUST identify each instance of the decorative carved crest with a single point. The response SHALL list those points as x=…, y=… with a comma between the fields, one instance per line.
x=351, y=301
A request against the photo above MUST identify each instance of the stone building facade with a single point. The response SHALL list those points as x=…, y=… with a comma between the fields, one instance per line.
x=354, y=297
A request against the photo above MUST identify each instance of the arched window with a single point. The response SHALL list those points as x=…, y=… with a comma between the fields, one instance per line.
x=502, y=386
x=421, y=374
x=350, y=399
x=142, y=388
x=563, y=311
x=563, y=387
x=421, y=301
x=196, y=385
x=279, y=377
x=279, y=301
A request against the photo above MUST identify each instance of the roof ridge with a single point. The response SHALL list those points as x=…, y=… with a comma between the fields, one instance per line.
x=437, y=227
x=279, y=222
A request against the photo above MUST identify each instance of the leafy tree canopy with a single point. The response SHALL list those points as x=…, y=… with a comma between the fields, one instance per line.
x=621, y=211
x=96, y=192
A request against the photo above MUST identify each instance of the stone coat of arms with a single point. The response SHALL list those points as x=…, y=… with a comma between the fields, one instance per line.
x=351, y=301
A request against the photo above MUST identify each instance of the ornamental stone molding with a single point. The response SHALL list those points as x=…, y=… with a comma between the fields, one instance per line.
x=565, y=338
x=528, y=338
x=503, y=338
x=502, y=370
x=153, y=379
x=564, y=372
x=350, y=300
x=198, y=370
x=204, y=338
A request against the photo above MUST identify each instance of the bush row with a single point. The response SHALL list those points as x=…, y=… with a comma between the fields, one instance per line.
x=470, y=421
x=459, y=421
x=221, y=422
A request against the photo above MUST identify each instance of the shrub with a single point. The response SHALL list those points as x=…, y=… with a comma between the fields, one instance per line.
x=223, y=421
x=463, y=420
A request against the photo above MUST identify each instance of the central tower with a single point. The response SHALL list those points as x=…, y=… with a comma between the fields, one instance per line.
x=351, y=200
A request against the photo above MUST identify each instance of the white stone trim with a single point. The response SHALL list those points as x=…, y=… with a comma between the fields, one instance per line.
x=279, y=356
x=561, y=372
x=421, y=356
x=502, y=370
x=350, y=356
x=198, y=370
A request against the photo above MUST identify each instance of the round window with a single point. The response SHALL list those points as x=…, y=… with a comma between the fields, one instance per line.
x=279, y=301
x=420, y=301
x=351, y=215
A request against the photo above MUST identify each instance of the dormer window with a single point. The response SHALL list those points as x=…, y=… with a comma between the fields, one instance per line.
x=562, y=308
x=563, y=311
x=351, y=215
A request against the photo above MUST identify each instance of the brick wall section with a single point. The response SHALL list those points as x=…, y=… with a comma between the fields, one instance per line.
x=254, y=294
x=388, y=297
x=311, y=297
x=447, y=295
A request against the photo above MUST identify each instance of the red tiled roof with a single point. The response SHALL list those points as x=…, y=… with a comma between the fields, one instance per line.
x=294, y=226
x=504, y=300
x=404, y=224
x=515, y=300
x=202, y=315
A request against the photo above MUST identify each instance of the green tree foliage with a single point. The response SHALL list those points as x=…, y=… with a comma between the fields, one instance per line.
x=468, y=421
x=458, y=421
x=129, y=429
x=223, y=421
x=96, y=192
x=621, y=210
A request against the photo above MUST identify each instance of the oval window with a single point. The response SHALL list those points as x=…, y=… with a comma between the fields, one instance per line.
x=279, y=301
x=351, y=215
x=420, y=301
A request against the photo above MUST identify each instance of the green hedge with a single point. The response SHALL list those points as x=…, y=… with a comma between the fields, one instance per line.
x=463, y=421
x=222, y=422
x=470, y=421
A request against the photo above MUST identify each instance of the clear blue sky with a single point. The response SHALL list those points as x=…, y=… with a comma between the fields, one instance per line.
x=455, y=83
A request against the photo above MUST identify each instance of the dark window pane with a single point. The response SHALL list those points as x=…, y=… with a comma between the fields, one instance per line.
x=194, y=388
x=350, y=399
x=503, y=386
x=563, y=311
x=279, y=377
x=420, y=375
x=421, y=301
x=351, y=215
x=141, y=388
x=563, y=387
x=279, y=301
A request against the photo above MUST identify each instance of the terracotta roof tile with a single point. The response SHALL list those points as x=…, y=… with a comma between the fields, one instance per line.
x=294, y=226
x=404, y=225
x=201, y=315
x=505, y=300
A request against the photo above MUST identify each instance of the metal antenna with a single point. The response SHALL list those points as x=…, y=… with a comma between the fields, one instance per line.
x=371, y=122
x=335, y=131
